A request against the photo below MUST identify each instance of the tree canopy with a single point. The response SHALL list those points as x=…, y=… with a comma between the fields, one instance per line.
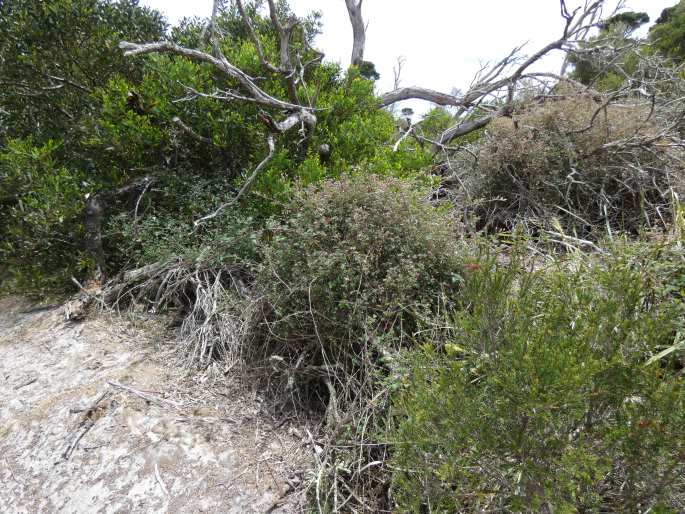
x=668, y=33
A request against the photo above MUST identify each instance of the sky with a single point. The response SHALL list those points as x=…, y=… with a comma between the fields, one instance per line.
x=443, y=42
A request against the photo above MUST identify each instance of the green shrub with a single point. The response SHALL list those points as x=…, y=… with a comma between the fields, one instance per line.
x=542, y=400
x=230, y=240
x=355, y=263
x=54, y=56
x=40, y=208
x=569, y=163
x=668, y=33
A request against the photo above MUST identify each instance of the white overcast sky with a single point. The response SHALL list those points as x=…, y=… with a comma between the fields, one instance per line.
x=443, y=42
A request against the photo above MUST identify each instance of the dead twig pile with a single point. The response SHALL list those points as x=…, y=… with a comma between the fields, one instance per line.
x=212, y=304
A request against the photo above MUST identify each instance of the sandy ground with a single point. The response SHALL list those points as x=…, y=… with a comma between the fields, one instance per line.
x=97, y=416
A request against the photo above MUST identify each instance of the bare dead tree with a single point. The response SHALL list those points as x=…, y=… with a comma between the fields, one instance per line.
x=354, y=9
x=499, y=83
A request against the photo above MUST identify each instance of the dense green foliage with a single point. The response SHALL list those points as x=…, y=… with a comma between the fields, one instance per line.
x=540, y=400
x=668, y=33
x=55, y=53
x=95, y=121
x=54, y=57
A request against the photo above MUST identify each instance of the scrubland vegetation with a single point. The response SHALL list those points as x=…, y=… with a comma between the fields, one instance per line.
x=483, y=310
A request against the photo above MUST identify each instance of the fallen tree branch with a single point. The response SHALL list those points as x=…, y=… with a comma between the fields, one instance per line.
x=494, y=80
x=89, y=418
x=160, y=402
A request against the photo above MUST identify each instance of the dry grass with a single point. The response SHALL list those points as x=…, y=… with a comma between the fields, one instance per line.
x=216, y=311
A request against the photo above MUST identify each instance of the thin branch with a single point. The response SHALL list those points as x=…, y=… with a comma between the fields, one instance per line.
x=188, y=130
x=246, y=186
x=255, y=39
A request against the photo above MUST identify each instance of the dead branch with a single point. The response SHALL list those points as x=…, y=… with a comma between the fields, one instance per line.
x=89, y=418
x=150, y=398
x=420, y=93
x=255, y=39
x=285, y=32
x=296, y=114
x=26, y=383
x=188, y=130
x=256, y=93
x=495, y=80
x=407, y=133
x=209, y=31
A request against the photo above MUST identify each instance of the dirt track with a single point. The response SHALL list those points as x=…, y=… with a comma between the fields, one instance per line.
x=191, y=443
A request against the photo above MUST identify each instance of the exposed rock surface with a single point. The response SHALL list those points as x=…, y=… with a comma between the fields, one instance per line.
x=98, y=417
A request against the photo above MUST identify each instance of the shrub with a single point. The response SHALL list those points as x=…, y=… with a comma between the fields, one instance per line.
x=354, y=265
x=54, y=56
x=40, y=209
x=544, y=398
x=162, y=227
x=573, y=164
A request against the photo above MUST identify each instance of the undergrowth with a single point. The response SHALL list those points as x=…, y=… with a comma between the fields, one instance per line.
x=542, y=395
x=347, y=274
x=575, y=166
x=451, y=374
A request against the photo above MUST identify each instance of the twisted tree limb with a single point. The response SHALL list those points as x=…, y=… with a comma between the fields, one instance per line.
x=256, y=93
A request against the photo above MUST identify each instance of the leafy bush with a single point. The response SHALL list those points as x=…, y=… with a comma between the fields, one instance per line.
x=353, y=265
x=161, y=235
x=576, y=164
x=54, y=55
x=667, y=34
x=39, y=207
x=544, y=398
